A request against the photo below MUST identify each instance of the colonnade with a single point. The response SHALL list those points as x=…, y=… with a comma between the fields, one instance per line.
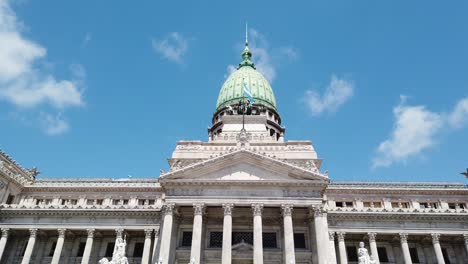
x=146, y=257
x=403, y=237
x=320, y=225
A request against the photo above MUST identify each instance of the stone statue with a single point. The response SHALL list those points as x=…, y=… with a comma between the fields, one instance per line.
x=363, y=255
x=118, y=257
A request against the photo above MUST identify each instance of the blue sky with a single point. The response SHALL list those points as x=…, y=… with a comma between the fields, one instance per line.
x=106, y=88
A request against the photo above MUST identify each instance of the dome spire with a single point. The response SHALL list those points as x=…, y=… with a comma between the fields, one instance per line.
x=246, y=34
x=246, y=54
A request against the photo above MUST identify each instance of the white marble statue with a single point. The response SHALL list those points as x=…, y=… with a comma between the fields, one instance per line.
x=118, y=257
x=363, y=255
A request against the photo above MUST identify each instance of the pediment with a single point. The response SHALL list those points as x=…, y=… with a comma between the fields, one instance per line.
x=243, y=166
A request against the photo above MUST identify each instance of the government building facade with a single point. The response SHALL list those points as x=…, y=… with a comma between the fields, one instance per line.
x=246, y=195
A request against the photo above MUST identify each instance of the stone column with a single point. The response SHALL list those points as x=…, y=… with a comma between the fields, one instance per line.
x=227, y=234
x=195, y=253
x=331, y=248
x=290, y=255
x=321, y=234
x=437, y=249
x=405, y=248
x=465, y=237
x=59, y=246
x=145, y=258
x=3, y=240
x=258, y=233
x=342, y=248
x=154, y=258
x=164, y=253
x=30, y=247
x=373, y=247
x=88, y=247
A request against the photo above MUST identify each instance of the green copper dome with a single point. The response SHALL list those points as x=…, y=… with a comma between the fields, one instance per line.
x=232, y=89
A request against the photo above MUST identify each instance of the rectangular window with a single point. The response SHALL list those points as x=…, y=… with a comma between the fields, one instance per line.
x=216, y=239
x=351, y=252
x=269, y=240
x=382, y=251
x=414, y=255
x=186, y=239
x=423, y=205
x=109, y=249
x=138, y=250
x=52, y=249
x=446, y=256
x=299, y=241
x=344, y=204
x=239, y=237
x=81, y=249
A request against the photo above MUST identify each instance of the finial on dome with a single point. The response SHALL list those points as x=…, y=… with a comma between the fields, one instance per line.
x=246, y=54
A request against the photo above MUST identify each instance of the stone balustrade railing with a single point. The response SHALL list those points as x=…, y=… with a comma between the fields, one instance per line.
x=54, y=206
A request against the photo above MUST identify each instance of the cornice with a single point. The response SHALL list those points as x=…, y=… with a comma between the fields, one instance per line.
x=396, y=216
x=412, y=188
x=5, y=213
x=190, y=182
x=257, y=155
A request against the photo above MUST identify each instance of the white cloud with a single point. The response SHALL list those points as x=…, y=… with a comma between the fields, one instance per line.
x=335, y=95
x=415, y=130
x=459, y=116
x=173, y=47
x=22, y=82
x=53, y=125
x=290, y=53
x=87, y=38
x=266, y=59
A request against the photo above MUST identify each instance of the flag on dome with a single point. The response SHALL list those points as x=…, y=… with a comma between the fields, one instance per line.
x=248, y=94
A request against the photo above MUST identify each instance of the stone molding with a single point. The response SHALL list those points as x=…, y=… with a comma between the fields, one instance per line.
x=257, y=155
x=286, y=209
x=257, y=209
x=228, y=208
x=403, y=237
x=199, y=208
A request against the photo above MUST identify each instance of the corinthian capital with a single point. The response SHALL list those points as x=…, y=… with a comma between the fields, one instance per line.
x=341, y=236
x=287, y=209
x=199, y=208
x=372, y=237
x=5, y=232
x=331, y=235
x=61, y=232
x=404, y=237
x=169, y=208
x=257, y=209
x=32, y=232
x=317, y=210
x=228, y=209
x=435, y=238
x=90, y=232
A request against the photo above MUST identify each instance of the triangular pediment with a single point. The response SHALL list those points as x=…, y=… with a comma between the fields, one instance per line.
x=243, y=165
